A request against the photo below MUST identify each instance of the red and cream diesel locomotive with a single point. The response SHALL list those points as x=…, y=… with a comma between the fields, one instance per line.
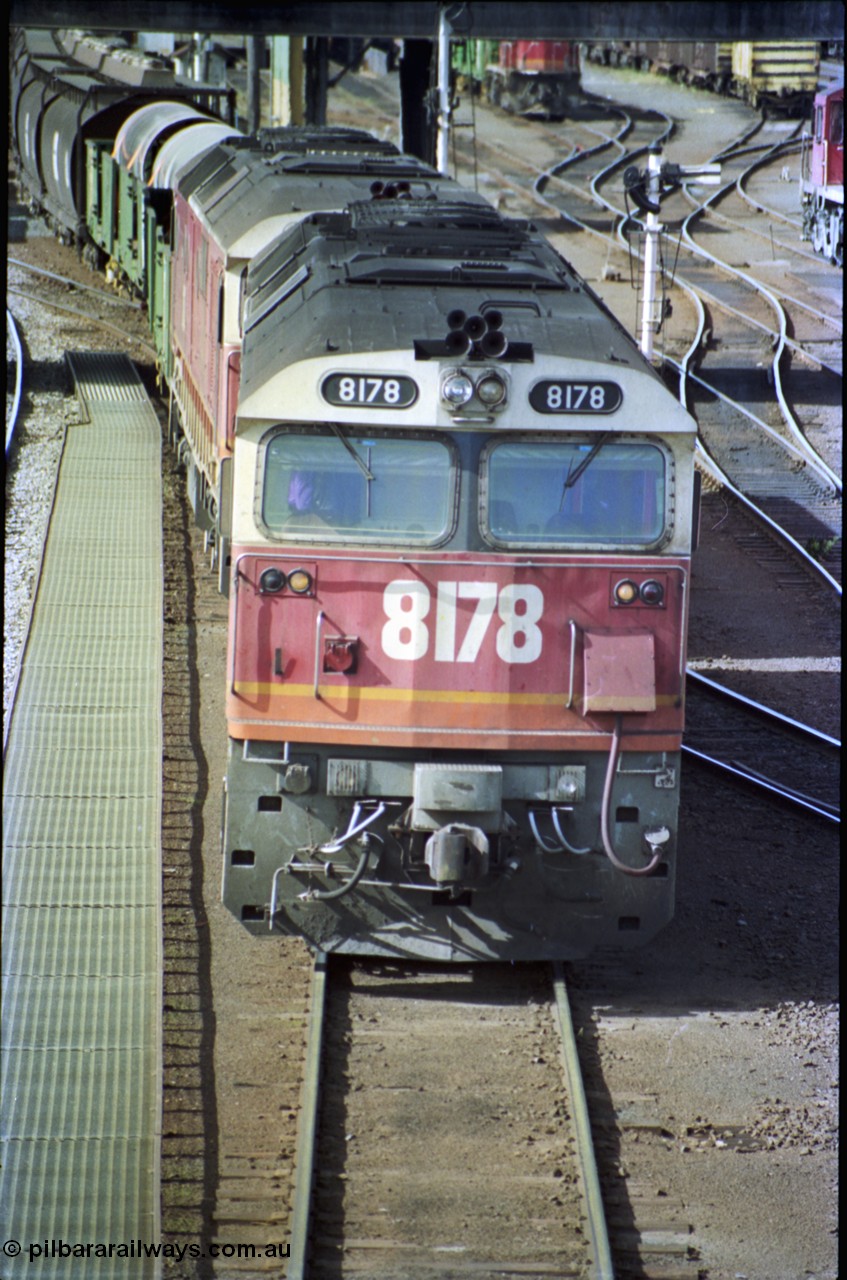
x=822, y=175
x=453, y=511
x=458, y=522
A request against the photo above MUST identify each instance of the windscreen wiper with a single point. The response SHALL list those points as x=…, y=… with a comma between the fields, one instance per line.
x=359, y=461
x=572, y=476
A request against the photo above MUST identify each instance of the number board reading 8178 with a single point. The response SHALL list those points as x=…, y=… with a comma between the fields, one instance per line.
x=576, y=397
x=352, y=390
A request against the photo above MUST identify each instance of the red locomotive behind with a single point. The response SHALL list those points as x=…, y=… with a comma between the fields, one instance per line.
x=822, y=176
x=524, y=77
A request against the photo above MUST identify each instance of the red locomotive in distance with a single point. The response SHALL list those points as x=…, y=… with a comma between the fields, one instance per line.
x=532, y=77
x=822, y=176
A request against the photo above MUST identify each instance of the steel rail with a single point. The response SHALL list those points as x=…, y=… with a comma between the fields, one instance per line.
x=777, y=293
x=298, y=1257
x=798, y=444
x=832, y=321
x=749, y=776
x=76, y=284
x=791, y=343
x=788, y=417
x=12, y=330
x=759, y=708
x=708, y=464
x=788, y=148
x=83, y=315
x=605, y=174
x=575, y=157
x=781, y=337
x=598, y=1233
x=732, y=148
x=807, y=254
x=788, y=446
x=772, y=150
x=704, y=461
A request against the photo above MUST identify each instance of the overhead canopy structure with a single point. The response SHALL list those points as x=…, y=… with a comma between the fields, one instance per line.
x=499, y=19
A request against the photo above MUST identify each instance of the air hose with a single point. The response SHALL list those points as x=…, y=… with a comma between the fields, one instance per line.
x=326, y=895
x=605, y=810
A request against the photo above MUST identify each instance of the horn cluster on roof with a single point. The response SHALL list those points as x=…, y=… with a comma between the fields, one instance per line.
x=475, y=335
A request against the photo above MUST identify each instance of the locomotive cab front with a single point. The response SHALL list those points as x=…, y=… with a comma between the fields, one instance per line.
x=458, y=601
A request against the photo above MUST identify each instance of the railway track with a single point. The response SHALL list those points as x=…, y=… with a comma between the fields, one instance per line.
x=449, y=1132
x=42, y=297
x=763, y=453
x=759, y=747
x=723, y=214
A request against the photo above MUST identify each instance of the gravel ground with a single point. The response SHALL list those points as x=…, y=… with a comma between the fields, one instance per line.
x=45, y=413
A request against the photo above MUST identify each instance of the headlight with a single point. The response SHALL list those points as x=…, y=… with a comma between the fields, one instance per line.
x=491, y=390
x=457, y=389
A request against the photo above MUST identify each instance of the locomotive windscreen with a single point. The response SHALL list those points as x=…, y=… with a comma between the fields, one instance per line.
x=566, y=493
x=358, y=488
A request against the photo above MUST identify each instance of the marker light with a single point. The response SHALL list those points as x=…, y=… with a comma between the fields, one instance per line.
x=271, y=581
x=652, y=592
x=300, y=582
x=626, y=592
x=457, y=389
x=491, y=390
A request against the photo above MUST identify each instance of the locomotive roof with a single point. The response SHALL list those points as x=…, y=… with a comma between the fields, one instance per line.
x=384, y=275
x=244, y=182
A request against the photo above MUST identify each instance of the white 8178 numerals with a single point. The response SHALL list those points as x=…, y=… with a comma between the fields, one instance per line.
x=410, y=620
x=575, y=395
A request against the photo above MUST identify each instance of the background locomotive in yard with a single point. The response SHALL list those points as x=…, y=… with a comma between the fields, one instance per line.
x=822, y=175
x=525, y=77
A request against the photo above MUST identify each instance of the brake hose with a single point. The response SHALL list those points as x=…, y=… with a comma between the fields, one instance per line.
x=605, y=809
x=326, y=895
